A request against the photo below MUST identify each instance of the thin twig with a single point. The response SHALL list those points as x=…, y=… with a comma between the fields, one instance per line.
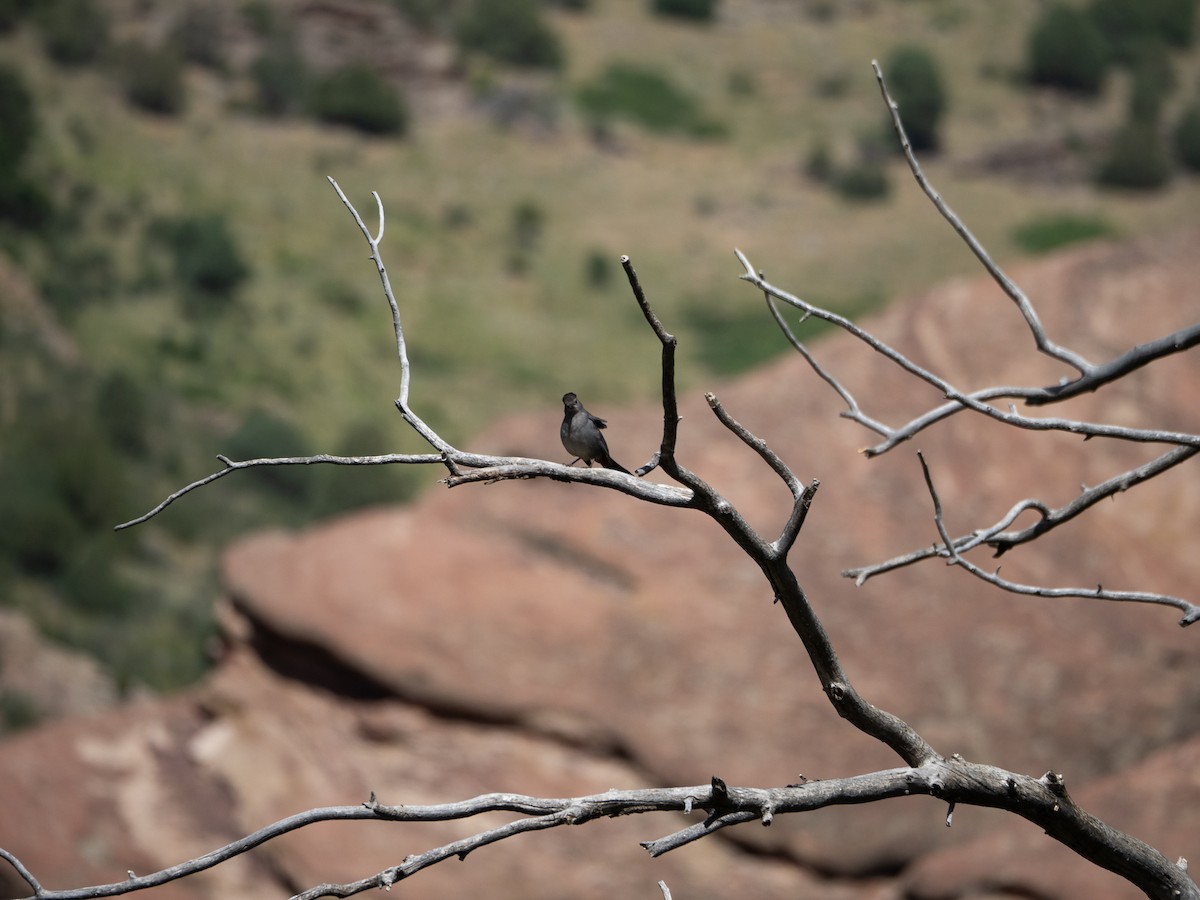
x=1044, y=344
x=1190, y=610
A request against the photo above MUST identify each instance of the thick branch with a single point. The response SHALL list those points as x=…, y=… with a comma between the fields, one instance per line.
x=1043, y=801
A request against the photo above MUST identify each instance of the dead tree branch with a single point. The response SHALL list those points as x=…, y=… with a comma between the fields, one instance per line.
x=1090, y=377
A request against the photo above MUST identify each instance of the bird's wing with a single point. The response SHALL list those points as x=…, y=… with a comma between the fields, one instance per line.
x=597, y=421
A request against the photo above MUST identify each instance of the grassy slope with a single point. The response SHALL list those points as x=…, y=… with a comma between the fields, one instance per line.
x=311, y=336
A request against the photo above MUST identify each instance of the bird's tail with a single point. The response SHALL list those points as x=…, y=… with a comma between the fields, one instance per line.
x=609, y=463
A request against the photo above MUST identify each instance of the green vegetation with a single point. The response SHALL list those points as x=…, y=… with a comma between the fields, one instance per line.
x=357, y=96
x=206, y=258
x=74, y=32
x=696, y=10
x=510, y=31
x=1187, y=137
x=1053, y=230
x=915, y=83
x=649, y=98
x=1126, y=26
x=153, y=78
x=1136, y=159
x=1067, y=50
x=864, y=181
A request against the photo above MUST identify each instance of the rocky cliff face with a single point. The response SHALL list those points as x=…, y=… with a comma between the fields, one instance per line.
x=554, y=640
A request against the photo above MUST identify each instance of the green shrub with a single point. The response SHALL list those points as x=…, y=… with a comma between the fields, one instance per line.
x=206, y=255
x=598, y=268
x=1136, y=159
x=1127, y=23
x=1187, y=137
x=153, y=78
x=819, y=164
x=511, y=31
x=645, y=96
x=1049, y=232
x=865, y=182
x=1067, y=50
x=356, y=96
x=18, y=120
x=12, y=11
x=17, y=711
x=74, y=32
x=697, y=10
x=915, y=83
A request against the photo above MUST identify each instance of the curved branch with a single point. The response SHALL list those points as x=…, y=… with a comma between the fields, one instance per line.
x=1190, y=610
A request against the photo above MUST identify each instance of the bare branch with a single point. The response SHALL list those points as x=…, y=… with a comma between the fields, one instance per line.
x=970, y=401
x=235, y=465
x=1190, y=610
x=1044, y=344
x=1132, y=359
x=1043, y=801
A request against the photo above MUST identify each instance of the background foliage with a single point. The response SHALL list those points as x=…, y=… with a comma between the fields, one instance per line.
x=177, y=280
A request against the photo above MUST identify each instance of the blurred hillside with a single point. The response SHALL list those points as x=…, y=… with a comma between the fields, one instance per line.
x=178, y=280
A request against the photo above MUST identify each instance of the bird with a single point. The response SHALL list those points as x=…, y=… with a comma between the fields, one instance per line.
x=581, y=435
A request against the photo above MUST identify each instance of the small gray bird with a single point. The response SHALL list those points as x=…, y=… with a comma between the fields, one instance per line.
x=581, y=435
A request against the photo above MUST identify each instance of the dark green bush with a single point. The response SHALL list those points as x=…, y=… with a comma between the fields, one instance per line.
x=511, y=31
x=12, y=11
x=24, y=203
x=1153, y=80
x=598, y=268
x=1067, y=50
x=1187, y=137
x=697, y=10
x=74, y=32
x=18, y=120
x=1049, y=232
x=358, y=97
x=819, y=164
x=17, y=711
x=915, y=84
x=206, y=255
x=1136, y=159
x=645, y=96
x=865, y=182
x=153, y=78
x=1127, y=23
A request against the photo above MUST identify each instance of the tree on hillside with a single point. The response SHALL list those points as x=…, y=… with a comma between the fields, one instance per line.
x=921, y=769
